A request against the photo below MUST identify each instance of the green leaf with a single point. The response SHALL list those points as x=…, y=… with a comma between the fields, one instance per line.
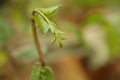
x=50, y=12
x=47, y=72
x=52, y=26
x=53, y=40
x=35, y=74
x=42, y=24
x=58, y=32
x=41, y=73
x=60, y=43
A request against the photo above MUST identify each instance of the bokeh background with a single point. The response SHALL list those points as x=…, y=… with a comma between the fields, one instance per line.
x=92, y=46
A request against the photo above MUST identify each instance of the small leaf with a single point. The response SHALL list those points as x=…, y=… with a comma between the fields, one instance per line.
x=41, y=23
x=35, y=74
x=45, y=25
x=53, y=39
x=60, y=40
x=50, y=12
x=58, y=32
x=48, y=74
x=41, y=73
x=52, y=26
x=60, y=44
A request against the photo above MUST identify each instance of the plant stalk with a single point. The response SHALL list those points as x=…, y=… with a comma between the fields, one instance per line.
x=36, y=42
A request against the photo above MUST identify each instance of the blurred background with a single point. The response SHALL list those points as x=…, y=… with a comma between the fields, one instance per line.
x=92, y=45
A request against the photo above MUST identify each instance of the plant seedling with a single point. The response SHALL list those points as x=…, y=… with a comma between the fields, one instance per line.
x=42, y=18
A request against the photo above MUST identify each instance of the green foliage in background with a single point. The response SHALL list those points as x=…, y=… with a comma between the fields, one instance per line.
x=6, y=32
x=111, y=39
x=96, y=3
x=112, y=36
x=3, y=58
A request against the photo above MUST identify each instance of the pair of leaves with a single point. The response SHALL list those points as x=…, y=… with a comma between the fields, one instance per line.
x=41, y=73
x=43, y=19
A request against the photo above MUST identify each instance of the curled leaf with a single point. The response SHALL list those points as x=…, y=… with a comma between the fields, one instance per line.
x=42, y=19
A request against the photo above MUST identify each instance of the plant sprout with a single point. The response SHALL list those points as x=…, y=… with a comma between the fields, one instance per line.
x=42, y=18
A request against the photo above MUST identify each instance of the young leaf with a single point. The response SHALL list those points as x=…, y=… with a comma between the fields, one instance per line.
x=52, y=26
x=41, y=73
x=42, y=19
x=53, y=39
x=47, y=73
x=50, y=12
x=35, y=74
x=41, y=23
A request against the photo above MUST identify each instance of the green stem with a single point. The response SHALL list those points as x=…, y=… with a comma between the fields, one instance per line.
x=36, y=42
